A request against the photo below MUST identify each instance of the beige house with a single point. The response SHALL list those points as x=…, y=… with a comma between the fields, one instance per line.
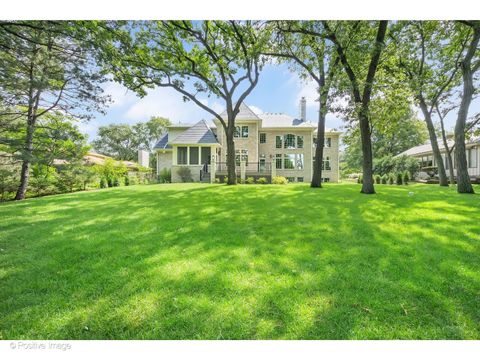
x=266, y=145
x=427, y=161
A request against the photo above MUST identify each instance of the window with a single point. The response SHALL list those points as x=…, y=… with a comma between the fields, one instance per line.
x=472, y=158
x=262, y=163
x=314, y=141
x=241, y=155
x=263, y=138
x=289, y=141
x=326, y=163
x=289, y=161
x=290, y=179
x=205, y=155
x=325, y=179
x=194, y=155
x=299, y=179
x=328, y=142
x=245, y=131
x=299, y=161
x=279, y=141
x=236, y=132
x=300, y=142
x=278, y=161
x=182, y=155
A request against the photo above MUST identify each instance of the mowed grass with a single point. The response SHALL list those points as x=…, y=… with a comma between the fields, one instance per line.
x=201, y=261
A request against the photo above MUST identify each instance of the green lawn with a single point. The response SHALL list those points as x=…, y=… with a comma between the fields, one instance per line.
x=247, y=262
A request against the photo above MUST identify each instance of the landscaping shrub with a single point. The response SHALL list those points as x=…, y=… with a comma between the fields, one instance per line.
x=279, y=180
x=185, y=174
x=225, y=179
x=360, y=179
x=406, y=177
x=391, y=179
x=262, y=180
x=165, y=176
x=384, y=179
x=116, y=181
x=378, y=179
x=7, y=183
x=399, y=164
x=43, y=179
x=217, y=180
x=249, y=180
x=399, y=178
x=103, y=183
x=127, y=181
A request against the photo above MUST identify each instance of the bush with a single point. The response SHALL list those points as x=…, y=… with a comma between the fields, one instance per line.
x=185, y=174
x=378, y=179
x=116, y=181
x=262, y=180
x=384, y=179
x=398, y=164
x=360, y=179
x=103, y=183
x=7, y=183
x=165, y=176
x=217, y=180
x=225, y=179
x=391, y=179
x=399, y=178
x=406, y=177
x=43, y=179
x=279, y=180
x=127, y=181
x=249, y=180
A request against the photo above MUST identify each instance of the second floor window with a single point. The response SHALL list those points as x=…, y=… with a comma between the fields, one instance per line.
x=326, y=163
x=299, y=142
x=263, y=138
x=279, y=141
x=236, y=132
x=245, y=131
x=328, y=142
x=289, y=141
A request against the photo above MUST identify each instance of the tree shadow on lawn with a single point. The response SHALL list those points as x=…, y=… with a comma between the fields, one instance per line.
x=261, y=263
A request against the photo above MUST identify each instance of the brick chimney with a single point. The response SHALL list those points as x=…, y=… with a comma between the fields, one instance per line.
x=303, y=109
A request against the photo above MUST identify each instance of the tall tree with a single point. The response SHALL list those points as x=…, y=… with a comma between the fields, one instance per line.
x=206, y=58
x=303, y=44
x=469, y=64
x=45, y=67
x=352, y=60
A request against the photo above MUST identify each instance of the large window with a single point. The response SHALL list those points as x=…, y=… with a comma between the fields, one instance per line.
x=245, y=131
x=289, y=141
x=194, y=155
x=326, y=163
x=278, y=141
x=289, y=161
x=300, y=142
x=278, y=161
x=263, y=138
x=427, y=161
x=182, y=155
x=472, y=158
x=205, y=155
x=241, y=155
x=262, y=162
x=299, y=161
x=236, y=132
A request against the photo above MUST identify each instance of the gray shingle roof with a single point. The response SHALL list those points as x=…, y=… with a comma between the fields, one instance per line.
x=427, y=148
x=199, y=133
x=281, y=120
x=163, y=143
x=244, y=113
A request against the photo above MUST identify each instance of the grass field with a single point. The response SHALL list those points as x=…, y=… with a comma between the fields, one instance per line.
x=203, y=261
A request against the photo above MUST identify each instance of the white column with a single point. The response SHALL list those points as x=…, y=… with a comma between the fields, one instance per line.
x=174, y=154
x=242, y=170
x=213, y=163
x=188, y=155
x=274, y=166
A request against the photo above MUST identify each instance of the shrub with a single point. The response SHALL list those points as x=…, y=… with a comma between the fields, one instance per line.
x=103, y=183
x=389, y=164
x=7, y=183
x=239, y=181
x=127, y=181
x=249, y=180
x=399, y=178
x=378, y=179
x=116, y=181
x=165, y=176
x=43, y=178
x=406, y=177
x=185, y=174
x=391, y=179
x=360, y=179
x=217, y=180
x=262, y=180
x=279, y=180
x=133, y=180
x=384, y=179
x=225, y=179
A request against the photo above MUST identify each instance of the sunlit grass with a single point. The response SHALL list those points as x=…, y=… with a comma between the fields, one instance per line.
x=216, y=262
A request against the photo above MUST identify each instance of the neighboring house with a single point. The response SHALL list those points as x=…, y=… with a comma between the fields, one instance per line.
x=425, y=157
x=266, y=145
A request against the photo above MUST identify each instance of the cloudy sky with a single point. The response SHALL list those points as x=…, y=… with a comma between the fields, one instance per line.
x=278, y=90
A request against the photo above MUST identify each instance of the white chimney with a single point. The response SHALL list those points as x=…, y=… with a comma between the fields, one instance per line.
x=143, y=158
x=303, y=109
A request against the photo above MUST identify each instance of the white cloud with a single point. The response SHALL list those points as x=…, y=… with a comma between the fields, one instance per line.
x=120, y=94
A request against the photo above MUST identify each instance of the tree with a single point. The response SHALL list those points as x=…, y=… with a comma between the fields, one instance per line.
x=209, y=58
x=303, y=44
x=469, y=64
x=44, y=68
x=352, y=60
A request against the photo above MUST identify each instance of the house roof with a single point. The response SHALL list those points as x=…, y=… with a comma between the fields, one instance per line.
x=427, y=148
x=163, y=142
x=199, y=133
x=282, y=120
x=244, y=113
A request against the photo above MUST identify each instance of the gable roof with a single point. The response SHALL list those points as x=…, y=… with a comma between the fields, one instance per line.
x=163, y=142
x=282, y=120
x=244, y=113
x=199, y=133
x=427, y=148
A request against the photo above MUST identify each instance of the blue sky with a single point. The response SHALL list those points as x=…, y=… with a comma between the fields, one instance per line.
x=278, y=90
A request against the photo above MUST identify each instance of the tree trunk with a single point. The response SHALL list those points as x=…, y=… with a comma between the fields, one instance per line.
x=448, y=152
x=365, y=135
x=442, y=175
x=232, y=175
x=27, y=156
x=317, y=165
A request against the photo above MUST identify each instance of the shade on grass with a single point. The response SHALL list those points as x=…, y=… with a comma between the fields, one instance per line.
x=216, y=262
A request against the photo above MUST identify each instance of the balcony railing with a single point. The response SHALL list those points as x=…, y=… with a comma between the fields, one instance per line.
x=250, y=167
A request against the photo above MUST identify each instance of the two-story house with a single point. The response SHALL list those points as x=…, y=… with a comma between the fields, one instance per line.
x=266, y=145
